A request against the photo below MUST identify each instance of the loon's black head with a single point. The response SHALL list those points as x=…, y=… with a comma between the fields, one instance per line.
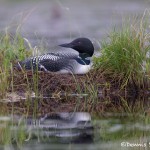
x=82, y=45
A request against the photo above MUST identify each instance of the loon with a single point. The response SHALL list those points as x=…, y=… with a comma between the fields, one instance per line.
x=64, y=62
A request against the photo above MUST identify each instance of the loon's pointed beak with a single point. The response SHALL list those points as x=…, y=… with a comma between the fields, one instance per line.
x=69, y=45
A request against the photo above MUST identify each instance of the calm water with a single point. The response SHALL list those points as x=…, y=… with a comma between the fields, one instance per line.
x=77, y=131
x=55, y=22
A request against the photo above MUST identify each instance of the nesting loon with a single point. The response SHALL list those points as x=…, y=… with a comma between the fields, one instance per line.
x=64, y=62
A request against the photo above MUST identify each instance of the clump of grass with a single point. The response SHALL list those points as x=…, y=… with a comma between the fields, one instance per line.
x=12, y=49
x=124, y=54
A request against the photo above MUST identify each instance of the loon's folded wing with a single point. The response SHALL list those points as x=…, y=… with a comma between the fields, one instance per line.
x=56, y=61
x=49, y=62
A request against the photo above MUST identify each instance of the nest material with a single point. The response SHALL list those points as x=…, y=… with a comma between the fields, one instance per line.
x=54, y=92
x=51, y=82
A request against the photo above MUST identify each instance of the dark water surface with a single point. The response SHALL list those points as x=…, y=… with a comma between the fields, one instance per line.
x=54, y=22
x=77, y=131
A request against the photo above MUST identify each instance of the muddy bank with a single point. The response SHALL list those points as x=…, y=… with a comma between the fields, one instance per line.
x=44, y=93
x=50, y=84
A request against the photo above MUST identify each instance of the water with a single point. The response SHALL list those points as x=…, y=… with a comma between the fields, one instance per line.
x=55, y=22
x=119, y=125
x=77, y=131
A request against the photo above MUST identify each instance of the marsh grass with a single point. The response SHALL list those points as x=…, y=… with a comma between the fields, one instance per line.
x=124, y=54
x=12, y=49
x=86, y=92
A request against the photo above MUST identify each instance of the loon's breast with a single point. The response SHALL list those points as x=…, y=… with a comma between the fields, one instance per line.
x=75, y=67
x=81, y=69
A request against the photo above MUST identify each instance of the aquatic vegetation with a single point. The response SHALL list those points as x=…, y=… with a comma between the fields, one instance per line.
x=12, y=49
x=125, y=54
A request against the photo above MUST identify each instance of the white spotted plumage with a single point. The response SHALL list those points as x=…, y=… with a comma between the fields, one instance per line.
x=66, y=62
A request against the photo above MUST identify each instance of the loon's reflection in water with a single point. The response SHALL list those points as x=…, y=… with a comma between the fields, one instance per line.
x=60, y=128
